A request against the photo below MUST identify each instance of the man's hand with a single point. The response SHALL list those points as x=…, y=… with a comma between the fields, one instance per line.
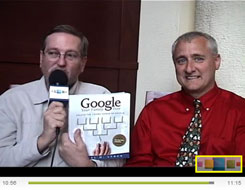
x=75, y=154
x=54, y=117
x=102, y=149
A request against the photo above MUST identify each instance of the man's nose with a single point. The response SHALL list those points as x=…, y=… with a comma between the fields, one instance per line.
x=61, y=61
x=190, y=66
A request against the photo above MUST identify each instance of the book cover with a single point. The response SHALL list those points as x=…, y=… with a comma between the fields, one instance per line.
x=102, y=118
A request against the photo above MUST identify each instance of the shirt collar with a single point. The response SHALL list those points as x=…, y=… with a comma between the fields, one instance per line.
x=207, y=99
x=40, y=93
x=73, y=89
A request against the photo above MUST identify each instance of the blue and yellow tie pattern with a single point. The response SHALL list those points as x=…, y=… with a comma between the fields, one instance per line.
x=191, y=140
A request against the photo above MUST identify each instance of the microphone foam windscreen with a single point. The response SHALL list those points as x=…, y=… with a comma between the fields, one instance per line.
x=58, y=78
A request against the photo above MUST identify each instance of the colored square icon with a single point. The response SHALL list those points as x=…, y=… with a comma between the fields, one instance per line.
x=219, y=163
x=230, y=164
x=238, y=164
x=199, y=164
x=209, y=164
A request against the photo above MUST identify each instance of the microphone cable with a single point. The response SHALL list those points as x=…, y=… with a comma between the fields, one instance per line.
x=55, y=145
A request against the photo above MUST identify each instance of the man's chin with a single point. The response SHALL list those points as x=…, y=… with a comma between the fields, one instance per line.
x=192, y=87
x=193, y=91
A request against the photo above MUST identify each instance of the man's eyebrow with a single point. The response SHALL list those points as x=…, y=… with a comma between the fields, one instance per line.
x=71, y=50
x=53, y=49
x=198, y=55
x=57, y=49
x=180, y=56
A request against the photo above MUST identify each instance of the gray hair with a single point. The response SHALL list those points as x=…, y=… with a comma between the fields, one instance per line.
x=187, y=37
x=69, y=30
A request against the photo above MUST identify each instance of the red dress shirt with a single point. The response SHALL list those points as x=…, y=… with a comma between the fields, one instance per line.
x=158, y=132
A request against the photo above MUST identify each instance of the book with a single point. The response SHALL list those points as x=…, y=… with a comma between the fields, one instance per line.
x=102, y=118
x=153, y=95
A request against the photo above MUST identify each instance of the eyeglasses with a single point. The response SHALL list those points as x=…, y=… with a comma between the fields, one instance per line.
x=54, y=55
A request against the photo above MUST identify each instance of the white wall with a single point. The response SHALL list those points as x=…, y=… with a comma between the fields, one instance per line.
x=225, y=20
x=161, y=23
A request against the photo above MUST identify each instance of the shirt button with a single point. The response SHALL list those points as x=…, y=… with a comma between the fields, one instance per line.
x=187, y=109
x=207, y=109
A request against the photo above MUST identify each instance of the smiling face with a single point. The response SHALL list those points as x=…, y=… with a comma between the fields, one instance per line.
x=195, y=66
x=62, y=43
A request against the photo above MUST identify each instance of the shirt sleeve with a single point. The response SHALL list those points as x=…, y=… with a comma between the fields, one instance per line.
x=141, y=148
x=15, y=152
x=240, y=136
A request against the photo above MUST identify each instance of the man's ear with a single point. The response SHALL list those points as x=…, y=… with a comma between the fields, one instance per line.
x=83, y=63
x=217, y=61
x=41, y=58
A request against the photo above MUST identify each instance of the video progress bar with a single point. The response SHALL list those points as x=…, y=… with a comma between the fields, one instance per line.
x=121, y=182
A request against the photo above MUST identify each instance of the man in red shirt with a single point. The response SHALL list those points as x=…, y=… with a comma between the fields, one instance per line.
x=159, y=131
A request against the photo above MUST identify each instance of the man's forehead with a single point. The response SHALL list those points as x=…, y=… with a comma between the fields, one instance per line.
x=62, y=35
x=65, y=40
x=195, y=47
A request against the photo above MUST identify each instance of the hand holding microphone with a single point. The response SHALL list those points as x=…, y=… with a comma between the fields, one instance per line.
x=55, y=117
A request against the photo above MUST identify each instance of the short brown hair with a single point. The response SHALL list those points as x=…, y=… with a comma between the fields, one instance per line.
x=69, y=30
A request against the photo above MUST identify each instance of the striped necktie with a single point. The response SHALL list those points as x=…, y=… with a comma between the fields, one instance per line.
x=191, y=140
